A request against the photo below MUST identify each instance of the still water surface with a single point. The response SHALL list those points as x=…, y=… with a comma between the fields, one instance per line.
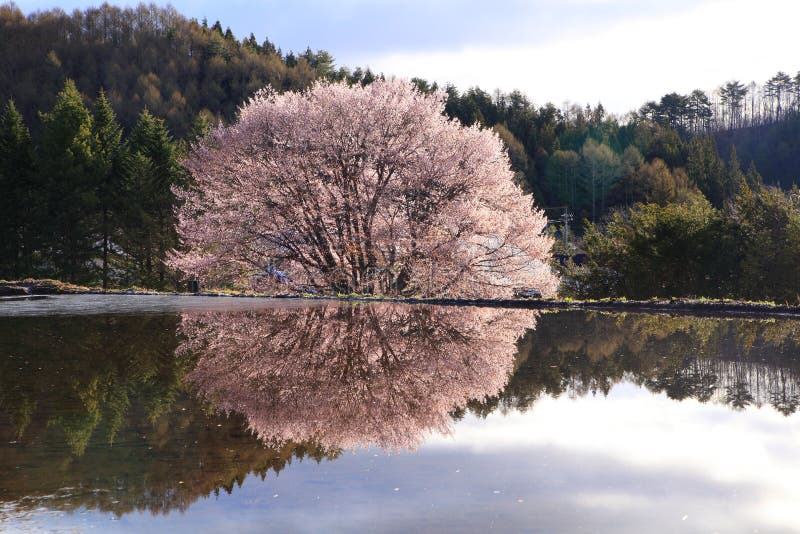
x=122, y=414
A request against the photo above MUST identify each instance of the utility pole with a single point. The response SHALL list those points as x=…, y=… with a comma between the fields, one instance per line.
x=567, y=218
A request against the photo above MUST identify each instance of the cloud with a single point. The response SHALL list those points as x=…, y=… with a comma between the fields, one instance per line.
x=620, y=52
x=704, y=445
x=625, y=63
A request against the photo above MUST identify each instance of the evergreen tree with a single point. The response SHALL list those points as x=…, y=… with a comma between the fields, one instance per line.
x=769, y=220
x=754, y=179
x=67, y=168
x=678, y=249
x=108, y=159
x=154, y=171
x=201, y=126
x=563, y=172
x=706, y=170
x=19, y=198
x=736, y=178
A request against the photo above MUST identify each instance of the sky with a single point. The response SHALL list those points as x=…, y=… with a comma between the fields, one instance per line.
x=618, y=52
x=631, y=461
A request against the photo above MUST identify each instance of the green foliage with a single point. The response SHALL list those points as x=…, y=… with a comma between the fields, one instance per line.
x=749, y=250
x=601, y=169
x=769, y=221
x=145, y=56
x=654, y=182
x=85, y=205
x=563, y=176
x=110, y=168
x=516, y=153
x=684, y=249
x=707, y=171
x=66, y=165
x=607, y=150
x=18, y=208
x=774, y=148
x=149, y=225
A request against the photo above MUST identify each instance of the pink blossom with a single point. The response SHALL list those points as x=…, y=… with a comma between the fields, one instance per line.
x=369, y=189
x=348, y=376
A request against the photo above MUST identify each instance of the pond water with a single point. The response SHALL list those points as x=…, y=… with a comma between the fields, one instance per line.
x=178, y=414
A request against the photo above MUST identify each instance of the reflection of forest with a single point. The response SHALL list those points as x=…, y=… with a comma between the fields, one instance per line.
x=93, y=413
x=738, y=362
x=98, y=411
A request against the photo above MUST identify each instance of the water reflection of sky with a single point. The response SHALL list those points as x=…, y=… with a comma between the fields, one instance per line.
x=629, y=462
x=138, y=421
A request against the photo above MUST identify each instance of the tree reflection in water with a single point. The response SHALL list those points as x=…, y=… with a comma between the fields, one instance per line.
x=94, y=414
x=98, y=412
x=736, y=362
x=349, y=376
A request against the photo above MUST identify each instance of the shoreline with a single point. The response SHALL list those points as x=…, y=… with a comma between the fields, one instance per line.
x=38, y=289
x=670, y=306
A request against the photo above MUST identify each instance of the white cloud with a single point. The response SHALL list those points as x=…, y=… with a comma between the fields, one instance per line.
x=754, y=450
x=626, y=63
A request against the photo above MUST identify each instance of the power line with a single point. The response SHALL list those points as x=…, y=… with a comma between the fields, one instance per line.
x=565, y=219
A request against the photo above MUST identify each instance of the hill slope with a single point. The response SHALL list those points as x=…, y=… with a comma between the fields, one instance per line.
x=143, y=57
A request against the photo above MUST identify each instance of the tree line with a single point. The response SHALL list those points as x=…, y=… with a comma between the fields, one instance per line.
x=81, y=201
x=143, y=57
x=100, y=211
x=747, y=248
x=585, y=158
x=740, y=363
x=732, y=105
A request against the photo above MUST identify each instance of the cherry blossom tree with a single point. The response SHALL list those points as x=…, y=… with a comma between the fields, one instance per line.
x=349, y=376
x=367, y=189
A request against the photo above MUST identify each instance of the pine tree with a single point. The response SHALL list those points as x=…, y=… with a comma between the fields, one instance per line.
x=706, y=170
x=108, y=160
x=67, y=169
x=736, y=178
x=18, y=201
x=201, y=126
x=754, y=179
x=156, y=171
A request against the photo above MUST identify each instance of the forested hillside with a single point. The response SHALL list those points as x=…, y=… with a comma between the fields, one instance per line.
x=101, y=105
x=142, y=57
x=774, y=148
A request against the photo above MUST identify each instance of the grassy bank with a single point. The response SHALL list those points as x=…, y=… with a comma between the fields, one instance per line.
x=31, y=286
